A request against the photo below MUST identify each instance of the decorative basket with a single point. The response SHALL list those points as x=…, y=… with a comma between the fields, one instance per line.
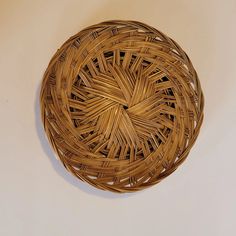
x=121, y=105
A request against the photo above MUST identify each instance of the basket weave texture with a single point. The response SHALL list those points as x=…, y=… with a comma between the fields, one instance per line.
x=121, y=105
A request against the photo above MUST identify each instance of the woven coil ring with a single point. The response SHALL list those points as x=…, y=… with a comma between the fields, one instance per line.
x=121, y=105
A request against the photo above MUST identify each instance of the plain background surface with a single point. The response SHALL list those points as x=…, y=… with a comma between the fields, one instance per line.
x=39, y=197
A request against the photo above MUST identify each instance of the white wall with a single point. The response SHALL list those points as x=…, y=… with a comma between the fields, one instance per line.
x=38, y=196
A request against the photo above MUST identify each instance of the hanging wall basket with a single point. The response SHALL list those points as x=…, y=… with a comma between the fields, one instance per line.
x=121, y=105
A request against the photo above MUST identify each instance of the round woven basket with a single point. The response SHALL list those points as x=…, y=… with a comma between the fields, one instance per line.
x=121, y=105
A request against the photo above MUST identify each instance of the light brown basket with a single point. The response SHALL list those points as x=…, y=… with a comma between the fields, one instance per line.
x=121, y=105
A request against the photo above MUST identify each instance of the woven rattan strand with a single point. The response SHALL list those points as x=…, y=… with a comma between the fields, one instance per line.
x=121, y=105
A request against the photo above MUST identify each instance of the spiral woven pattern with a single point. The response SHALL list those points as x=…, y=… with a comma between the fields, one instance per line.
x=121, y=105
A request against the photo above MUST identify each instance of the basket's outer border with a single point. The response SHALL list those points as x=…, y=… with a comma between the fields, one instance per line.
x=84, y=33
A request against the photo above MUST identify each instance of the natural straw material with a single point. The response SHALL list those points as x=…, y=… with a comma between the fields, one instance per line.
x=121, y=105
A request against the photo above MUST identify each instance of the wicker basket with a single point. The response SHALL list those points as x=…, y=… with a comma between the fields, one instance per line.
x=121, y=105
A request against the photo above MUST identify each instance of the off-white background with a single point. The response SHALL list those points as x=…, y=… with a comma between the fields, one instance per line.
x=37, y=195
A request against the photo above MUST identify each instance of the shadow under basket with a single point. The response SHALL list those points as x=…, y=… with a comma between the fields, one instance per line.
x=121, y=105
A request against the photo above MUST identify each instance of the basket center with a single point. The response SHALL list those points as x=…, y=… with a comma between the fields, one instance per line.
x=123, y=110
